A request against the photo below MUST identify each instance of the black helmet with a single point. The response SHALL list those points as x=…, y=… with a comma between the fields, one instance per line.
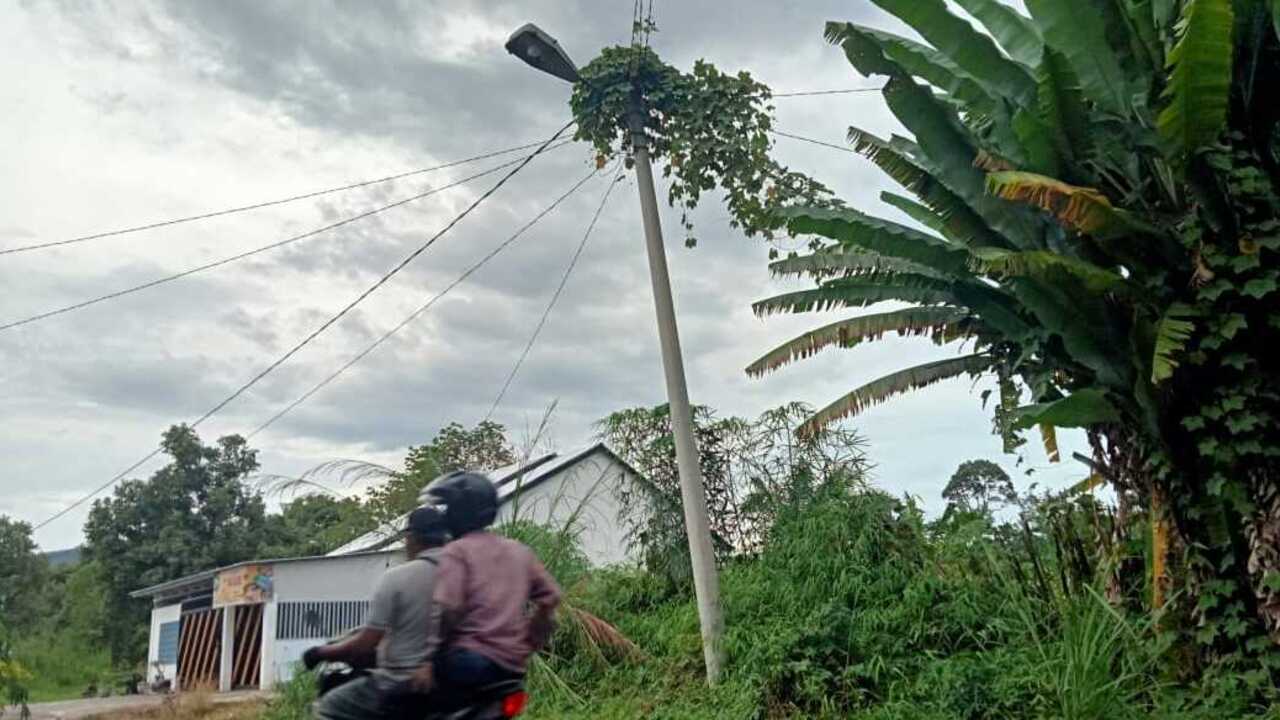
x=428, y=523
x=469, y=500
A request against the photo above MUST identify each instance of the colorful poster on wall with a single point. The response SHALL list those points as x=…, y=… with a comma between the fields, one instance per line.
x=242, y=585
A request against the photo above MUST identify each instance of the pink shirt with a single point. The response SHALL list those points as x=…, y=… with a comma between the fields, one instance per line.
x=486, y=583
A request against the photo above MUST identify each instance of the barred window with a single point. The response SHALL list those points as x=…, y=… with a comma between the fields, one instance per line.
x=167, y=651
x=308, y=620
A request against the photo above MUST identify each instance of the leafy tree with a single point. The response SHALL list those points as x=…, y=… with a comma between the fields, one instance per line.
x=1097, y=192
x=976, y=484
x=750, y=469
x=23, y=575
x=193, y=514
x=13, y=678
x=484, y=447
x=316, y=524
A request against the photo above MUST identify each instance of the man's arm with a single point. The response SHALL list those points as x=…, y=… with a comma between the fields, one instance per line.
x=544, y=593
x=357, y=650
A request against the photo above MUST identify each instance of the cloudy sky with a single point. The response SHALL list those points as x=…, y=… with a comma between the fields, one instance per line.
x=118, y=114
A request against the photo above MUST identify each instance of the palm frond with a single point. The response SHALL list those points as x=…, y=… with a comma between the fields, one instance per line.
x=850, y=227
x=1084, y=210
x=949, y=150
x=836, y=261
x=1082, y=408
x=1062, y=108
x=896, y=383
x=1049, y=436
x=1172, y=332
x=1079, y=31
x=940, y=323
x=859, y=292
x=928, y=64
x=920, y=213
x=1040, y=263
x=1199, y=87
x=1016, y=34
x=974, y=51
x=962, y=223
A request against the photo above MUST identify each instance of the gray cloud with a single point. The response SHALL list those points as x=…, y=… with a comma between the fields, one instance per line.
x=141, y=111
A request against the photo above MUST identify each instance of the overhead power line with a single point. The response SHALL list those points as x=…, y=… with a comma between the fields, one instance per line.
x=802, y=138
x=260, y=205
x=573, y=261
x=249, y=253
x=328, y=323
x=807, y=93
x=421, y=309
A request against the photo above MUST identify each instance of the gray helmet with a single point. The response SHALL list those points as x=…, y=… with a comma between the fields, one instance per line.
x=469, y=500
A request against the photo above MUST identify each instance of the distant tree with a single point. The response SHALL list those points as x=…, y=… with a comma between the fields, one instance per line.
x=193, y=514
x=395, y=492
x=642, y=436
x=23, y=575
x=976, y=485
x=316, y=524
x=484, y=447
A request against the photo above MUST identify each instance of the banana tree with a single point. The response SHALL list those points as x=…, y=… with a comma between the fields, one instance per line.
x=1095, y=190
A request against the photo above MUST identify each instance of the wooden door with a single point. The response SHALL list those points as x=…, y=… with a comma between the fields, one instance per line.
x=246, y=666
x=200, y=649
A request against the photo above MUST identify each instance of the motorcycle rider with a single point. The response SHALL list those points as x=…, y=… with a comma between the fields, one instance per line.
x=496, y=602
x=400, y=628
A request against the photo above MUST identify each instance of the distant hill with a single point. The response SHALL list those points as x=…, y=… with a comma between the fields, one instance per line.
x=58, y=558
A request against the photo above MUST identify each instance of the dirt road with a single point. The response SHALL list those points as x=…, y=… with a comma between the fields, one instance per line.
x=80, y=709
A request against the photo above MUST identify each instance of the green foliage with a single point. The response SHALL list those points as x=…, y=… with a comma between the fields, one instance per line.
x=854, y=608
x=709, y=130
x=747, y=466
x=14, y=678
x=193, y=514
x=1200, y=78
x=1117, y=214
x=66, y=664
x=316, y=524
x=292, y=700
x=23, y=574
x=976, y=484
x=455, y=447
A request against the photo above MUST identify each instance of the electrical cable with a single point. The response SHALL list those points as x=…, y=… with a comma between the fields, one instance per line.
x=249, y=253
x=327, y=323
x=268, y=203
x=808, y=93
x=564, y=279
x=802, y=139
x=421, y=309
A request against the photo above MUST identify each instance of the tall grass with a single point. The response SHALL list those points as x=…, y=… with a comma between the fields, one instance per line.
x=63, y=666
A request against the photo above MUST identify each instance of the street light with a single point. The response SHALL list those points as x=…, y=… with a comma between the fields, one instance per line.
x=540, y=50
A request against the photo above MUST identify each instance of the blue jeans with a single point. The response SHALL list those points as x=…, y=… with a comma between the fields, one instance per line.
x=463, y=670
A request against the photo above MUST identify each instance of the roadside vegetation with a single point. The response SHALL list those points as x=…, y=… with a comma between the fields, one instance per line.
x=1090, y=209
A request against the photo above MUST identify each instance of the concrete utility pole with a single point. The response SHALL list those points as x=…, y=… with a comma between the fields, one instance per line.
x=540, y=50
x=706, y=581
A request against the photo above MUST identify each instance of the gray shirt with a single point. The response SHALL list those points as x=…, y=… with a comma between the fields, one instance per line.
x=402, y=608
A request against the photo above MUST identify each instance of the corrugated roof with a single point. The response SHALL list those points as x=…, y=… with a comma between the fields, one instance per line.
x=510, y=480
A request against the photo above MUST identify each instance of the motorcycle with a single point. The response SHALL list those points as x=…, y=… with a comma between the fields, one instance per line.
x=499, y=701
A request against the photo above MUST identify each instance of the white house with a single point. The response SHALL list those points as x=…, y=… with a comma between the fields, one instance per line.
x=246, y=625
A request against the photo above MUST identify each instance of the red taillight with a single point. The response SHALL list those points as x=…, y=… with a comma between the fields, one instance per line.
x=513, y=704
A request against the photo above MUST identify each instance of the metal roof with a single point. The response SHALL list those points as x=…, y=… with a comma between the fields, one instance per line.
x=511, y=480
x=385, y=538
x=197, y=579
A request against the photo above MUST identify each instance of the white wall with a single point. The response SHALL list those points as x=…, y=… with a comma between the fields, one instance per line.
x=332, y=578
x=159, y=616
x=585, y=494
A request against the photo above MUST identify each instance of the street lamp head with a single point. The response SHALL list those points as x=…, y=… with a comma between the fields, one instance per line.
x=540, y=50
